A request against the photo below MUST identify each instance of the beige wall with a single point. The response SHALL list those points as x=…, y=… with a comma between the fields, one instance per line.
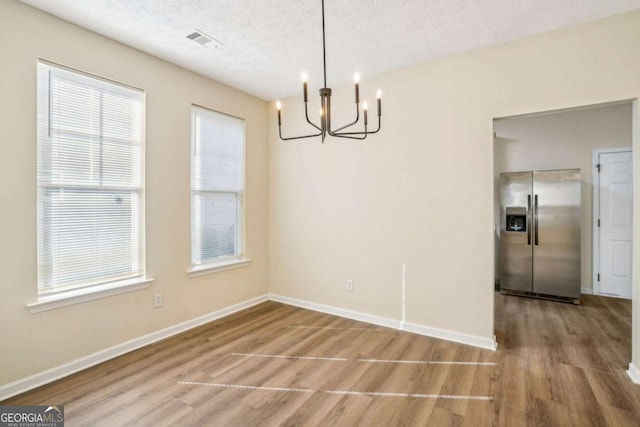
x=30, y=343
x=561, y=140
x=420, y=193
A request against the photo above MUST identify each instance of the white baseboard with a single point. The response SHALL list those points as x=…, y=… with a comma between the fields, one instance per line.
x=337, y=311
x=634, y=373
x=586, y=291
x=44, y=377
x=459, y=337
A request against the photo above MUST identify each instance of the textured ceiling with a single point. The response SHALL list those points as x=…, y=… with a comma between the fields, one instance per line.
x=268, y=43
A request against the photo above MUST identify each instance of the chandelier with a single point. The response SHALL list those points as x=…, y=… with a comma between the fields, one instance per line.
x=325, y=128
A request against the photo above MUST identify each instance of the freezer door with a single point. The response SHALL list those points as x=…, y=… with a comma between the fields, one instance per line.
x=515, y=231
x=556, y=228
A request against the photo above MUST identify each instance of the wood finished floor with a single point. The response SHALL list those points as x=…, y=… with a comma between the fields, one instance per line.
x=557, y=365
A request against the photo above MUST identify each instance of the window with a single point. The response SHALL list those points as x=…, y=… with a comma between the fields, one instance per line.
x=90, y=186
x=217, y=185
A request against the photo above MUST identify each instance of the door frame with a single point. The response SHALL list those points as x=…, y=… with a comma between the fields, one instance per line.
x=595, y=200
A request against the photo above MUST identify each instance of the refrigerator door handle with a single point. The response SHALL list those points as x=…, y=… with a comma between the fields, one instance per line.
x=529, y=219
x=535, y=219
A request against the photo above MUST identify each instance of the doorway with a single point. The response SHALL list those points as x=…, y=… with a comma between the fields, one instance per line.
x=551, y=140
x=612, y=223
x=563, y=139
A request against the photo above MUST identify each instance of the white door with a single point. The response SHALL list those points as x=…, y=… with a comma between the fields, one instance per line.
x=615, y=216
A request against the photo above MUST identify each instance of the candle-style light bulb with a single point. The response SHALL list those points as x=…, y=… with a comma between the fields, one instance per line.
x=379, y=93
x=379, y=96
x=356, y=80
x=279, y=107
x=364, y=107
x=305, y=77
x=356, y=77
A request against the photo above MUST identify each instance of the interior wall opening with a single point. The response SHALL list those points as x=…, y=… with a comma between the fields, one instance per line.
x=569, y=139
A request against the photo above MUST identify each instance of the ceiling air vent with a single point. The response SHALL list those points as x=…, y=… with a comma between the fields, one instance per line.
x=203, y=39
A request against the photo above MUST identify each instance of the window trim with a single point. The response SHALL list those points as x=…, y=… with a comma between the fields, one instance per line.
x=80, y=295
x=224, y=264
x=232, y=261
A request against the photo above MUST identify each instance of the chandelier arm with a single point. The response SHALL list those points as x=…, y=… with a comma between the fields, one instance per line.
x=323, y=117
x=369, y=132
x=327, y=110
x=296, y=137
x=352, y=123
x=350, y=135
x=364, y=136
x=366, y=132
x=306, y=113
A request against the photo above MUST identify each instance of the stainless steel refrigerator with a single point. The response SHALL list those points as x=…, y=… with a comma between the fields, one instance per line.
x=540, y=233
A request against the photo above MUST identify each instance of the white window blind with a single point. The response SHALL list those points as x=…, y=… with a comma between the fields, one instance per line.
x=90, y=161
x=217, y=185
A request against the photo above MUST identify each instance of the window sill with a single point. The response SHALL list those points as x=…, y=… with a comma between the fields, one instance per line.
x=215, y=267
x=78, y=296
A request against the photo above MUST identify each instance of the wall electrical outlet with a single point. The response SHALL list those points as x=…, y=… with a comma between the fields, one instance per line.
x=348, y=285
x=157, y=300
